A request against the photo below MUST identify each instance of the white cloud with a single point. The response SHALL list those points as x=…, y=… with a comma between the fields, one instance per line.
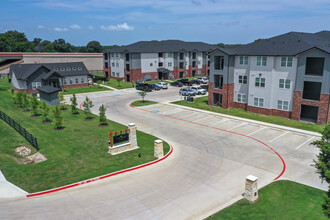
x=60, y=29
x=118, y=27
x=75, y=26
x=90, y=27
x=41, y=27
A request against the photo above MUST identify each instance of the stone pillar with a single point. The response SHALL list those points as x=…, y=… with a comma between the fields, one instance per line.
x=132, y=134
x=251, y=188
x=159, y=150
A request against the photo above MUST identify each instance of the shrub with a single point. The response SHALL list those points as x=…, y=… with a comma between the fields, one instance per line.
x=103, y=118
x=35, y=105
x=87, y=105
x=45, y=112
x=58, y=119
x=74, y=104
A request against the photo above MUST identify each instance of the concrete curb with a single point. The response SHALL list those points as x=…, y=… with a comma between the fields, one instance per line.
x=248, y=120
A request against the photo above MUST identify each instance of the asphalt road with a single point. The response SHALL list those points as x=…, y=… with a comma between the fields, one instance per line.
x=205, y=173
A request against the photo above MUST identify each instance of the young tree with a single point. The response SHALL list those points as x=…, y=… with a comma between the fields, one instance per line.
x=99, y=83
x=58, y=119
x=19, y=99
x=45, y=112
x=322, y=164
x=13, y=95
x=143, y=94
x=74, y=104
x=61, y=100
x=103, y=118
x=118, y=82
x=87, y=105
x=35, y=105
x=26, y=102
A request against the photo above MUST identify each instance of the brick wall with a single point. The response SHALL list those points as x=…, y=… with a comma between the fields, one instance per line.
x=227, y=92
x=75, y=85
x=29, y=91
x=264, y=111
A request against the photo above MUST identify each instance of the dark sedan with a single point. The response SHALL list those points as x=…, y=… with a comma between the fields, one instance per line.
x=176, y=83
x=155, y=87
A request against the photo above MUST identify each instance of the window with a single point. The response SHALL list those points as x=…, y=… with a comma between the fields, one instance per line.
x=64, y=81
x=71, y=81
x=113, y=74
x=74, y=68
x=198, y=62
x=218, y=62
x=169, y=54
x=241, y=98
x=117, y=74
x=194, y=55
x=62, y=69
x=160, y=64
x=199, y=54
x=55, y=69
x=105, y=56
x=169, y=64
x=261, y=61
x=127, y=57
x=259, y=102
x=286, y=61
x=243, y=60
x=218, y=81
x=194, y=64
x=242, y=79
x=82, y=80
x=36, y=85
x=77, y=80
x=68, y=69
x=106, y=65
x=128, y=67
x=117, y=64
x=185, y=63
x=282, y=105
x=79, y=68
x=181, y=65
x=260, y=82
x=284, y=83
x=312, y=90
x=117, y=55
x=160, y=54
x=181, y=56
x=113, y=64
x=112, y=55
x=150, y=64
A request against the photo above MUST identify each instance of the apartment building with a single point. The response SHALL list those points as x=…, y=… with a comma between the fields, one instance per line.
x=286, y=75
x=154, y=60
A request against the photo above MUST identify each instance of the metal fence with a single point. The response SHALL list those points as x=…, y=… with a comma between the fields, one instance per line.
x=32, y=140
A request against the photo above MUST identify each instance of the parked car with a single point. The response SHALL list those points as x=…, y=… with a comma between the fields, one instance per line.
x=186, y=82
x=197, y=81
x=203, y=80
x=155, y=86
x=144, y=87
x=162, y=85
x=205, y=86
x=187, y=92
x=198, y=90
x=176, y=83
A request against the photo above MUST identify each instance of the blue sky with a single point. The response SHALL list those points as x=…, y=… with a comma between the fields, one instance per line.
x=127, y=21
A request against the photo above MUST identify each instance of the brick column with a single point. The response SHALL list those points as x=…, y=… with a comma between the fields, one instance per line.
x=251, y=188
x=296, y=105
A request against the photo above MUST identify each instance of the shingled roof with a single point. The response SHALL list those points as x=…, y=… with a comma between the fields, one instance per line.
x=162, y=46
x=24, y=71
x=289, y=44
x=48, y=89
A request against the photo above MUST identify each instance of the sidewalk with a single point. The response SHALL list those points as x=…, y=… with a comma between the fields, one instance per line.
x=109, y=87
x=9, y=190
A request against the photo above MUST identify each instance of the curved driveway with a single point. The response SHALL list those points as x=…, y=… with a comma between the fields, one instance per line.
x=205, y=173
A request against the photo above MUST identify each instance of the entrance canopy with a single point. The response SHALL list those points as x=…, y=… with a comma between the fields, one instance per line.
x=163, y=73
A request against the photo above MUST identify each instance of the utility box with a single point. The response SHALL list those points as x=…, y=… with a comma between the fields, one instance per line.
x=251, y=188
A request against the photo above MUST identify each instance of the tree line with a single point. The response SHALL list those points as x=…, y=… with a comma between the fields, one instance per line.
x=14, y=41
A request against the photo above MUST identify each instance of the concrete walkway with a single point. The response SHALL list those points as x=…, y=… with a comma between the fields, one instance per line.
x=9, y=190
x=109, y=87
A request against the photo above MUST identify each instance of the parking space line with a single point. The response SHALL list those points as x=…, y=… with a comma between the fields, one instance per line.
x=203, y=118
x=304, y=143
x=256, y=131
x=189, y=115
x=241, y=124
x=224, y=119
x=279, y=136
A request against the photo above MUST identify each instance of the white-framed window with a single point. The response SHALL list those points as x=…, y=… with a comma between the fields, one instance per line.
x=117, y=64
x=77, y=80
x=113, y=64
x=282, y=105
x=117, y=74
x=169, y=64
x=259, y=102
x=36, y=85
x=55, y=69
x=112, y=55
x=80, y=68
x=261, y=61
x=71, y=81
x=169, y=54
x=198, y=62
x=82, y=80
x=113, y=74
x=64, y=81
x=260, y=82
x=286, y=61
x=241, y=98
x=117, y=55
x=62, y=69
x=244, y=60
x=284, y=84
x=242, y=79
x=68, y=69
x=74, y=68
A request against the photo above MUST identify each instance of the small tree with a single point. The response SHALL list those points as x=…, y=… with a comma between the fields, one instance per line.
x=58, y=119
x=26, y=102
x=103, y=118
x=45, y=112
x=322, y=164
x=74, y=104
x=99, y=83
x=143, y=94
x=118, y=82
x=61, y=100
x=35, y=105
x=19, y=99
x=13, y=95
x=87, y=105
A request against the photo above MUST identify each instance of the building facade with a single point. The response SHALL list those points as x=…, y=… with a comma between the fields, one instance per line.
x=154, y=60
x=29, y=77
x=287, y=75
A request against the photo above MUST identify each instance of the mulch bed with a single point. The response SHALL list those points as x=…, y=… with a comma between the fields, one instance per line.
x=104, y=125
x=88, y=119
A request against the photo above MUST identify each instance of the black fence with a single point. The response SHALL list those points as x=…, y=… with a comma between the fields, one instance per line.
x=32, y=140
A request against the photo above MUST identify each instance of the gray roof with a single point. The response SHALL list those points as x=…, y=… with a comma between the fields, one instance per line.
x=24, y=71
x=48, y=89
x=289, y=44
x=163, y=46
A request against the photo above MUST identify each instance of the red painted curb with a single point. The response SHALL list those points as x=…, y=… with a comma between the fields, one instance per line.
x=284, y=165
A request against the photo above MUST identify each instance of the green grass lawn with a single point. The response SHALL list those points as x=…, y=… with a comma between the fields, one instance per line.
x=76, y=153
x=202, y=103
x=91, y=88
x=141, y=103
x=121, y=85
x=279, y=200
x=99, y=74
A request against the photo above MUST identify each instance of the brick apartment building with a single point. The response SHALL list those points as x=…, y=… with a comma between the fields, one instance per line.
x=153, y=60
x=286, y=75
